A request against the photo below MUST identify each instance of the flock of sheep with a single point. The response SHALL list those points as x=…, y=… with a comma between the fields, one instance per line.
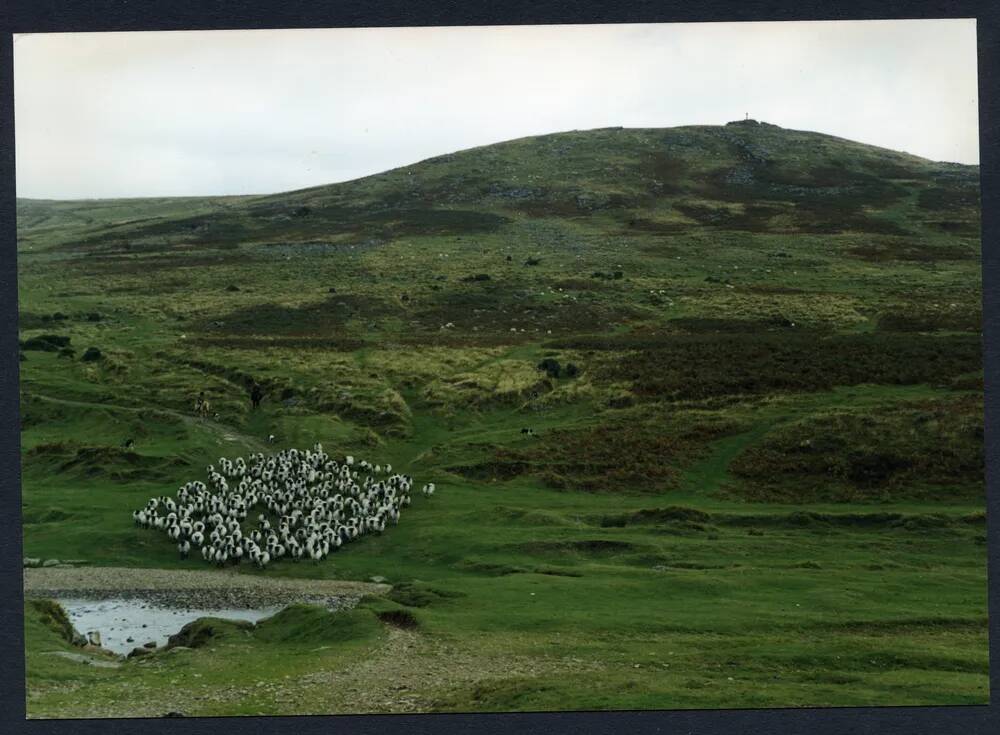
x=320, y=504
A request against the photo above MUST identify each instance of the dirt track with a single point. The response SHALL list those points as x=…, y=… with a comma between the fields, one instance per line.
x=182, y=587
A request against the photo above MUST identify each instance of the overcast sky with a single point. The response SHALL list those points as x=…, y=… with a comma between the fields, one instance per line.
x=237, y=112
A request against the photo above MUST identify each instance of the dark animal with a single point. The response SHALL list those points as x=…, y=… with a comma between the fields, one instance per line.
x=201, y=405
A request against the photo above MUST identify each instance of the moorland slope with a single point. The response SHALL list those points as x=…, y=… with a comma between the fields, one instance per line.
x=749, y=358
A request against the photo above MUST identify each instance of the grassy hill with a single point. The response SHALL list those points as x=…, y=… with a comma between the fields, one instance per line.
x=744, y=176
x=750, y=358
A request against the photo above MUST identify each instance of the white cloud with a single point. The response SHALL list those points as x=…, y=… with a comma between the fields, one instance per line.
x=176, y=113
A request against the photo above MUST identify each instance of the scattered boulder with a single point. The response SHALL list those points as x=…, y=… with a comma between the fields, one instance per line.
x=149, y=644
x=92, y=355
x=378, y=579
x=232, y=287
x=51, y=562
x=138, y=652
x=32, y=562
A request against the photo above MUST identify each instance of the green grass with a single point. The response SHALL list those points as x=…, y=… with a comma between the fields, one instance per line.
x=213, y=659
x=663, y=540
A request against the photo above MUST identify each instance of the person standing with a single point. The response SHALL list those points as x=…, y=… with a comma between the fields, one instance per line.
x=256, y=394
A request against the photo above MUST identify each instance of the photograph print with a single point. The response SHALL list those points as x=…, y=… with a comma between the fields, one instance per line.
x=501, y=369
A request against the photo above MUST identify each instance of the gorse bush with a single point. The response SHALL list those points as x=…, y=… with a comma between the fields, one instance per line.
x=550, y=366
x=46, y=343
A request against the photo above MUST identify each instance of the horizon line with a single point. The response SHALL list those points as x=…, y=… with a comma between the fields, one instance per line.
x=462, y=150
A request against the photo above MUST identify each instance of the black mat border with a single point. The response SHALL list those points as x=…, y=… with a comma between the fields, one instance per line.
x=24, y=16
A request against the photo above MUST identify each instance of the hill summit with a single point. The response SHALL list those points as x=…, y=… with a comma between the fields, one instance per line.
x=745, y=176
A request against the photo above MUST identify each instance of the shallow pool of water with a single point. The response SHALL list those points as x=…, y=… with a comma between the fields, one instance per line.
x=128, y=624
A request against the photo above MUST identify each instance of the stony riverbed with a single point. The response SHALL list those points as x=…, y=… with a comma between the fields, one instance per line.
x=126, y=624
